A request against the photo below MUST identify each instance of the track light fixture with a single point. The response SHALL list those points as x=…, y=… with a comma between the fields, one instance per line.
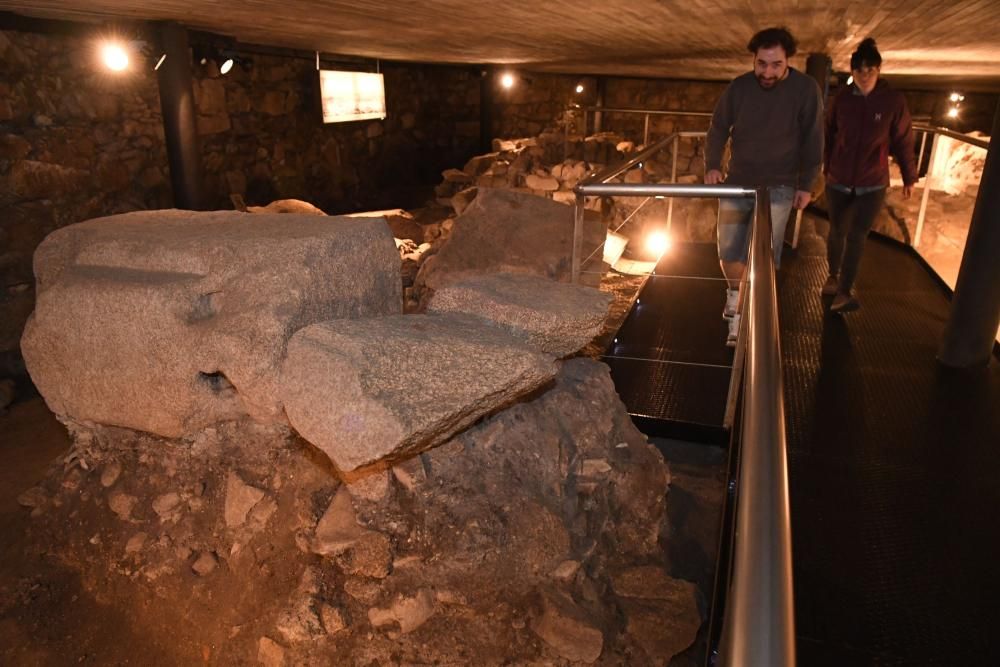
x=224, y=59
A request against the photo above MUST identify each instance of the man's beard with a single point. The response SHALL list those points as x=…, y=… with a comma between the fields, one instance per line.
x=767, y=83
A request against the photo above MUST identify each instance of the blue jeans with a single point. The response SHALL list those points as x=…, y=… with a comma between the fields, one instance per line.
x=736, y=216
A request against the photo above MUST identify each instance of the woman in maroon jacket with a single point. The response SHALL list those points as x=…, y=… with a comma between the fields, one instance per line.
x=864, y=124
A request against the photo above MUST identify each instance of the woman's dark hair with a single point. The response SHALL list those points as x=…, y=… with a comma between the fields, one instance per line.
x=765, y=39
x=867, y=54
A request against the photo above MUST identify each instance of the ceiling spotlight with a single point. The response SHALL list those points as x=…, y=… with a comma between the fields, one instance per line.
x=226, y=66
x=507, y=80
x=579, y=88
x=114, y=56
x=953, y=112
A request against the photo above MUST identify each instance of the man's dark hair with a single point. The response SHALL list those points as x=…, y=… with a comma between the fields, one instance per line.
x=867, y=54
x=770, y=37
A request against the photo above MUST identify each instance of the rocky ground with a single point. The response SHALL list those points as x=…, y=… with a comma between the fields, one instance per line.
x=539, y=536
x=544, y=534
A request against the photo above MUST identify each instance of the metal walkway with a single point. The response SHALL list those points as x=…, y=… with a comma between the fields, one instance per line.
x=894, y=463
x=893, y=466
x=669, y=361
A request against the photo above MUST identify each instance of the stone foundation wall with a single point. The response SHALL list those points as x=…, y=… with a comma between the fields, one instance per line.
x=78, y=143
x=261, y=135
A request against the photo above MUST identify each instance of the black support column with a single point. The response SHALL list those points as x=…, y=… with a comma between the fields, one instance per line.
x=599, y=86
x=487, y=89
x=975, y=309
x=818, y=66
x=180, y=117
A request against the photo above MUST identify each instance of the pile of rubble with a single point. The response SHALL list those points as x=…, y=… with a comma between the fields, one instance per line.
x=552, y=164
x=533, y=537
x=273, y=464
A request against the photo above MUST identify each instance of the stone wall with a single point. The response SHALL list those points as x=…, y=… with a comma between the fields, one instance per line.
x=75, y=143
x=78, y=143
x=261, y=135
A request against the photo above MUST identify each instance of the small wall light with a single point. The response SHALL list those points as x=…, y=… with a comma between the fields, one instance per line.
x=850, y=80
x=953, y=112
x=579, y=88
x=507, y=80
x=226, y=66
x=956, y=97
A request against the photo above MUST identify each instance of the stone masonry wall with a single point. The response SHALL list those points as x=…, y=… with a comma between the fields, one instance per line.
x=261, y=135
x=77, y=143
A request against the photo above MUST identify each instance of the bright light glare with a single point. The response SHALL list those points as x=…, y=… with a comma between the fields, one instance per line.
x=579, y=87
x=850, y=80
x=657, y=243
x=953, y=112
x=956, y=97
x=227, y=65
x=507, y=80
x=114, y=56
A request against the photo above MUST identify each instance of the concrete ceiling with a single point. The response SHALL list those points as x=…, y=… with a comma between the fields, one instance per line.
x=925, y=40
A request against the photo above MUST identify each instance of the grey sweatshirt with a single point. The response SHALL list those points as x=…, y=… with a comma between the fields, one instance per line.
x=777, y=134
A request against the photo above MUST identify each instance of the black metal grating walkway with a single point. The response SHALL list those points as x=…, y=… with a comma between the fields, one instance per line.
x=669, y=363
x=894, y=474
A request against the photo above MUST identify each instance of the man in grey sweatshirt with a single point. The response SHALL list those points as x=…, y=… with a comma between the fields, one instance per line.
x=774, y=117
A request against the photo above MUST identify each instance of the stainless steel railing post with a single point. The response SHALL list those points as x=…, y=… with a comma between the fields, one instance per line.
x=925, y=195
x=578, y=211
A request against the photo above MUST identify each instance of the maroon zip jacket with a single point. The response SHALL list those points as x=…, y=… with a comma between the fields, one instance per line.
x=861, y=131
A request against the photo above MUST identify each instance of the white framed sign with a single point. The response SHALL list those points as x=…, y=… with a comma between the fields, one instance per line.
x=351, y=95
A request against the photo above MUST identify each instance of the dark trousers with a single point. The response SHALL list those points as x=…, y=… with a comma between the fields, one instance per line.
x=851, y=218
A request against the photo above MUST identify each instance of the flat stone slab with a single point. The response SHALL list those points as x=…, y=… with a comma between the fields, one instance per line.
x=557, y=318
x=388, y=387
x=168, y=321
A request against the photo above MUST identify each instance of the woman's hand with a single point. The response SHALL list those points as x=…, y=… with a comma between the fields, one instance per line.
x=801, y=199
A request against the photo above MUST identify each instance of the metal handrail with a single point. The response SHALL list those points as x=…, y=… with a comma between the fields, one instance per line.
x=935, y=132
x=952, y=134
x=645, y=112
x=759, y=624
x=641, y=156
x=654, y=112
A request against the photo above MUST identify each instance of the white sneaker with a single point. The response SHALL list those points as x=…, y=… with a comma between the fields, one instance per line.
x=732, y=302
x=734, y=330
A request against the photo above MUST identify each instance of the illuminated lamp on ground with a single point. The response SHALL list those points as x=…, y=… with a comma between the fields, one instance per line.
x=657, y=243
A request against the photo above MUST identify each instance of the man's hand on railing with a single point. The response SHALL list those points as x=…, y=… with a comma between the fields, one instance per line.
x=713, y=176
x=801, y=199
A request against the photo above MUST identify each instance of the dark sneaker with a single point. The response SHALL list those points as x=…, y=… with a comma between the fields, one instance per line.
x=844, y=303
x=830, y=286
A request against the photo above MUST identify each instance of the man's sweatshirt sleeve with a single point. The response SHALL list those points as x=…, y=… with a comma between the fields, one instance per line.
x=718, y=131
x=811, y=139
